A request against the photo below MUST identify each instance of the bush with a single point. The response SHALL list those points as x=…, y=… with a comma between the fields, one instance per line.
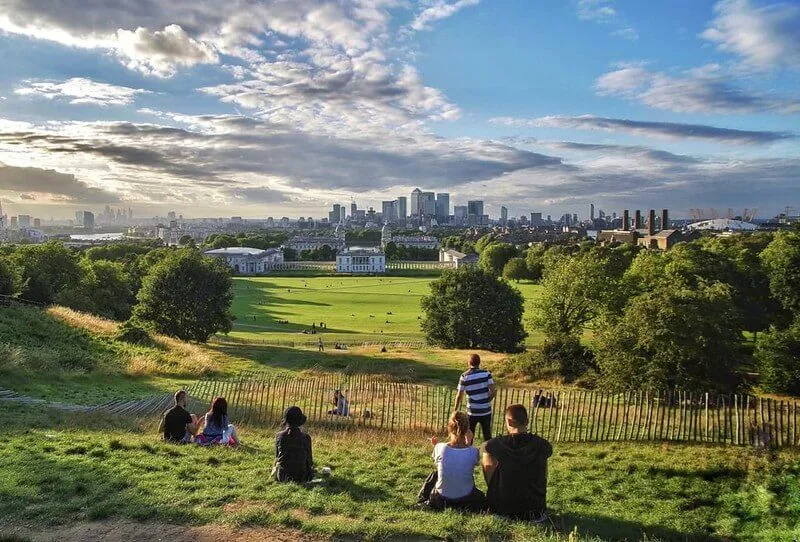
x=561, y=355
x=132, y=333
x=778, y=356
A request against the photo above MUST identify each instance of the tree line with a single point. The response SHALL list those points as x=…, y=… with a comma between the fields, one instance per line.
x=706, y=314
x=176, y=292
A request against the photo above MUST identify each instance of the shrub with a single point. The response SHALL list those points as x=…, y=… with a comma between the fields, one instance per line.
x=132, y=333
x=560, y=355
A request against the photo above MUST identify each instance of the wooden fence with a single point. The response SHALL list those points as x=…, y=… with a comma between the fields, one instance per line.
x=327, y=341
x=558, y=415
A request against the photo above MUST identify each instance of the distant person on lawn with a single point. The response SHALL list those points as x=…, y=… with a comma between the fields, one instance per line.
x=177, y=424
x=293, y=459
x=515, y=468
x=452, y=485
x=479, y=387
x=216, y=427
x=341, y=404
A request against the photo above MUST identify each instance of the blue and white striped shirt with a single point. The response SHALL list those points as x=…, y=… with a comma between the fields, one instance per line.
x=475, y=383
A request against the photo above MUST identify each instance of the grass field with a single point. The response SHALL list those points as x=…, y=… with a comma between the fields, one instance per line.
x=57, y=470
x=355, y=309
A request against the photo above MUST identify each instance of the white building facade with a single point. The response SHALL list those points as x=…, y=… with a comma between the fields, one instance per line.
x=357, y=260
x=248, y=261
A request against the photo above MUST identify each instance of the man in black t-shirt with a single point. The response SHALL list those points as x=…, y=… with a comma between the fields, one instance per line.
x=177, y=424
x=515, y=468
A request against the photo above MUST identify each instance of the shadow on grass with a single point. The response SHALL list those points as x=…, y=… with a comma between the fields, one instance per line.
x=617, y=529
x=342, y=361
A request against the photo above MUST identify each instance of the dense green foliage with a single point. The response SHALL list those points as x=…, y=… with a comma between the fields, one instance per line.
x=782, y=260
x=395, y=252
x=515, y=269
x=187, y=296
x=252, y=240
x=9, y=277
x=46, y=270
x=672, y=336
x=778, y=356
x=471, y=308
x=495, y=256
x=320, y=254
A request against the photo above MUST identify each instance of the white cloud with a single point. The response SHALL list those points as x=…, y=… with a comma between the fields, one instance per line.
x=436, y=10
x=161, y=52
x=603, y=12
x=702, y=90
x=764, y=37
x=79, y=90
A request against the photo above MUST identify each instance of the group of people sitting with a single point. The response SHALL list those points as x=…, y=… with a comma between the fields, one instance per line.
x=514, y=465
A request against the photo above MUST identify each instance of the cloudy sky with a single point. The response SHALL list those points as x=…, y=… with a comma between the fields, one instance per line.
x=282, y=107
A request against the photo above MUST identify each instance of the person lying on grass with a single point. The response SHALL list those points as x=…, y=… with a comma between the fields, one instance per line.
x=216, y=428
x=293, y=459
x=177, y=425
x=515, y=468
x=452, y=485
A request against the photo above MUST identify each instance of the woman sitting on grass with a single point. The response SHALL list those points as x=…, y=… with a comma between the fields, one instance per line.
x=341, y=404
x=452, y=485
x=216, y=429
x=293, y=459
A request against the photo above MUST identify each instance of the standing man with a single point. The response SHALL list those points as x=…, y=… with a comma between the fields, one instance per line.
x=177, y=424
x=477, y=383
x=320, y=345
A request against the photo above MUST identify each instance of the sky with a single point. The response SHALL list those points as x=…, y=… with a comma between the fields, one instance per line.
x=283, y=107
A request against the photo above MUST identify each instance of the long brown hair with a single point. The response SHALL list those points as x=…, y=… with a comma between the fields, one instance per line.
x=458, y=424
x=219, y=410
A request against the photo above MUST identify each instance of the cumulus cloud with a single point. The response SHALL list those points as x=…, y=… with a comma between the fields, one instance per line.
x=603, y=12
x=160, y=52
x=436, y=10
x=702, y=90
x=764, y=37
x=79, y=90
x=61, y=186
x=664, y=130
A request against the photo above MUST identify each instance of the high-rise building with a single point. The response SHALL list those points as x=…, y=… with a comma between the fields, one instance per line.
x=503, y=215
x=428, y=204
x=389, y=210
x=536, y=219
x=342, y=213
x=335, y=214
x=416, y=202
x=475, y=207
x=442, y=207
x=591, y=211
x=460, y=214
x=574, y=218
x=353, y=209
x=171, y=215
x=37, y=223
x=24, y=221
x=13, y=224
x=402, y=209
x=87, y=220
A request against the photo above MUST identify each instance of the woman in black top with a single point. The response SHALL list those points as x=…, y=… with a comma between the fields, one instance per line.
x=293, y=459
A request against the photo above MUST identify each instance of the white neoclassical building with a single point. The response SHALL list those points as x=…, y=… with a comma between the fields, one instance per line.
x=359, y=260
x=248, y=261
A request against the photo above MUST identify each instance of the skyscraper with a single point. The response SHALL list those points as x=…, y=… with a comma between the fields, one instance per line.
x=416, y=202
x=442, y=207
x=503, y=215
x=389, y=211
x=353, y=209
x=335, y=215
x=343, y=213
x=402, y=209
x=591, y=211
x=460, y=214
x=428, y=204
x=475, y=207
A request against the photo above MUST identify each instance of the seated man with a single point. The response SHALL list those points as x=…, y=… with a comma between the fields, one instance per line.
x=177, y=424
x=515, y=468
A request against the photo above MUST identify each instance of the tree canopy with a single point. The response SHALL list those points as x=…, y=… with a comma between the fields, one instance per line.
x=187, y=296
x=471, y=308
x=781, y=260
x=515, y=269
x=495, y=256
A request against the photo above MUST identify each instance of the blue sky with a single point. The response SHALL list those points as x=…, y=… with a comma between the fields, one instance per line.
x=272, y=108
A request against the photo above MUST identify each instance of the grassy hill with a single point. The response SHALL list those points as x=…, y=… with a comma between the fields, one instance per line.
x=355, y=309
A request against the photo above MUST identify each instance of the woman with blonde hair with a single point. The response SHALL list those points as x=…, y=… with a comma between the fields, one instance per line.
x=452, y=484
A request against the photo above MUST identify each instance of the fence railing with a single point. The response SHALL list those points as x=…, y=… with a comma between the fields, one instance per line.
x=327, y=342
x=558, y=415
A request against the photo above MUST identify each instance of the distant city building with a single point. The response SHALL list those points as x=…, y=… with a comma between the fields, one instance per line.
x=335, y=214
x=460, y=213
x=360, y=260
x=475, y=216
x=428, y=204
x=389, y=211
x=536, y=220
x=85, y=220
x=13, y=223
x=416, y=202
x=24, y=221
x=503, y=215
x=37, y=222
x=248, y=261
x=442, y=207
x=402, y=209
x=416, y=241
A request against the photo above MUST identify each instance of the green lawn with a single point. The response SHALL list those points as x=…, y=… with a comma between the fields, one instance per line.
x=355, y=309
x=56, y=469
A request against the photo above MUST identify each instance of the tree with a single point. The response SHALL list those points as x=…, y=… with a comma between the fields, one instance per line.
x=9, y=277
x=186, y=240
x=187, y=296
x=471, y=308
x=674, y=336
x=534, y=260
x=484, y=242
x=494, y=257
x=104, y=290
x=515, y=269
x=575, y=290
x=778, y=356
x=46, y=270
x=390, y=250
x=781, y=260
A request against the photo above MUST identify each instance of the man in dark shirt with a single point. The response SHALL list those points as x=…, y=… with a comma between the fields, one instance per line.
x=177, y=424
x=515, y=468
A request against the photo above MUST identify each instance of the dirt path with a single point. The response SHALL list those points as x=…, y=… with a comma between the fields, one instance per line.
x=123, y=531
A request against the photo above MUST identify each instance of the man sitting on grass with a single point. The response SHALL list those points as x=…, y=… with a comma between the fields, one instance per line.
x=177, y=424
x=515, y=468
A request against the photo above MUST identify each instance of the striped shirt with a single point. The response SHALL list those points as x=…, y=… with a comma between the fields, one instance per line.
x=475, y=383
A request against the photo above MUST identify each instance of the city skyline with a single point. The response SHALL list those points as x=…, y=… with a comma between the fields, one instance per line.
x=286, y=108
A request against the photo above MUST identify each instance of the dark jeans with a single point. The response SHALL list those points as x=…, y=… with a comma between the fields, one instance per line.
x=475, y=501
x=485, y=423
